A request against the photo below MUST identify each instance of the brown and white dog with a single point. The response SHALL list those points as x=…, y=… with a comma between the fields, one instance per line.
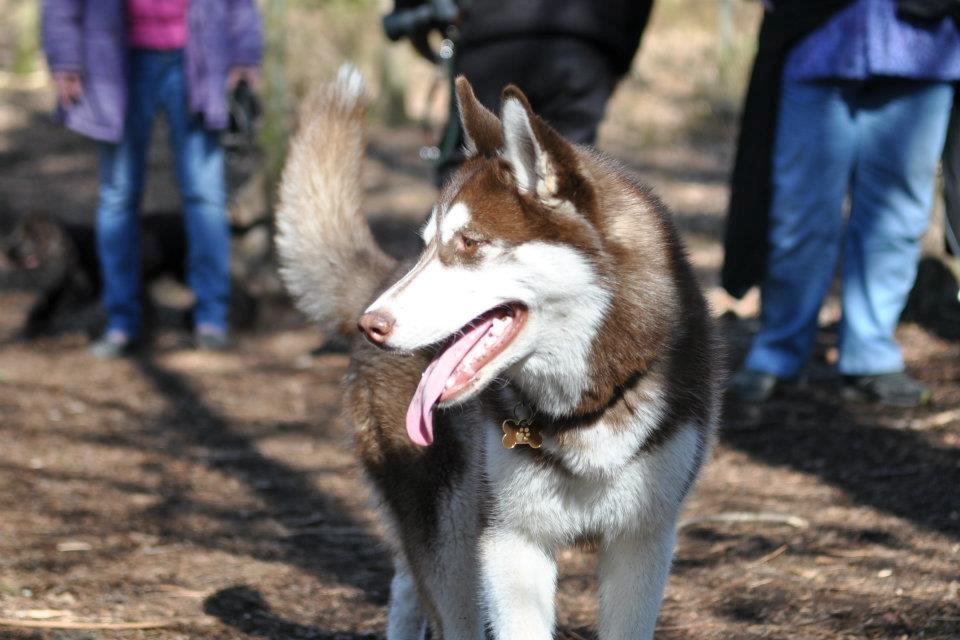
x=553, y=311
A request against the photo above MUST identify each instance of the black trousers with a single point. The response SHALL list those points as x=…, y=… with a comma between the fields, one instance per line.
x=951, y=181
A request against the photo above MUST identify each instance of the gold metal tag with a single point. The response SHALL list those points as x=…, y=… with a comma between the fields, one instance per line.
x=521, y=432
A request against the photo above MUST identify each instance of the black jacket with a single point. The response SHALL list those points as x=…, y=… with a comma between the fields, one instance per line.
x=612, y=25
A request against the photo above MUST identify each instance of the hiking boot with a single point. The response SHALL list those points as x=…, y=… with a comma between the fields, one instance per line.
x=210, y=338
x=113, y=344
x=751, y=386
x=895, y=389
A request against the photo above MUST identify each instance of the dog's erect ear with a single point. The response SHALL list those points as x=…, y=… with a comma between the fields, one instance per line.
x=481, y=129
x=543, y=164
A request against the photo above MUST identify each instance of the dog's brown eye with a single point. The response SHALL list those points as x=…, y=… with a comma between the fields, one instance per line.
x=469, y=244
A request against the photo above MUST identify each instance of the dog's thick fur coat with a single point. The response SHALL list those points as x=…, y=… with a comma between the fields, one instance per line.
x=608, y=345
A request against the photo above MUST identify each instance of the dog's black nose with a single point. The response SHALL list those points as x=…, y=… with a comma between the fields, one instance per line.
x=376, y=325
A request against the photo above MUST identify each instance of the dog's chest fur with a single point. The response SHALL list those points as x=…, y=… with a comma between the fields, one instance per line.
x=598, y=479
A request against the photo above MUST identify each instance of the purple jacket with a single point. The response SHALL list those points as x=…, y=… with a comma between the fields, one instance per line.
x=870, y=38
x=89, y=36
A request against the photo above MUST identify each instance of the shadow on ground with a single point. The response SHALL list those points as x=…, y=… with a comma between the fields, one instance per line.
x=868, y=452
x=870, y=463
x=244, y=608
x=191, y=423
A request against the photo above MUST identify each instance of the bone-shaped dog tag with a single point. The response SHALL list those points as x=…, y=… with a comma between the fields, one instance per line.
x=521, y=432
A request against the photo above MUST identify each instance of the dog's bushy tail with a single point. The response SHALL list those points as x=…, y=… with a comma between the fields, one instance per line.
x=329, y=260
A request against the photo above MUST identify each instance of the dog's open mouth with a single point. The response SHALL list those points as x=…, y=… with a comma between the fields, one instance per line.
x=458, y=365
x=482, y=341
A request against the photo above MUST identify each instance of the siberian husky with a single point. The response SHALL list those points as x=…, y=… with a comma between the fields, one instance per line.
x=545, y=373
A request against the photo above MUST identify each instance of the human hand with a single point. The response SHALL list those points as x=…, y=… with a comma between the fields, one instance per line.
x=248, y=73
x=69, y=87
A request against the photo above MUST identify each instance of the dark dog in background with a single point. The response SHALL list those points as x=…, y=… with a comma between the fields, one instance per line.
x=62, y=259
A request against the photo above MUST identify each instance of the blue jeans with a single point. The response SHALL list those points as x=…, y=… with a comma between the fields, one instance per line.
x=879, y=142
x=157, y=83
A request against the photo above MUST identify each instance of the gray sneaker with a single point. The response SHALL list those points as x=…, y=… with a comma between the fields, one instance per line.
x=751, y=386
x=113, y=344
x=894, y=389
x=210, y=338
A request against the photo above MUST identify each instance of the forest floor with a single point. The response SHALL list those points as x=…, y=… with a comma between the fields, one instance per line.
x=217, y=495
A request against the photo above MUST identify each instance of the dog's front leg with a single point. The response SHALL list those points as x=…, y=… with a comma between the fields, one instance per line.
x=633, y=573
x=519, y=579
x=405, y=617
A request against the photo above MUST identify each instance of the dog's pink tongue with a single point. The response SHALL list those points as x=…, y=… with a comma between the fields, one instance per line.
x=433, y=381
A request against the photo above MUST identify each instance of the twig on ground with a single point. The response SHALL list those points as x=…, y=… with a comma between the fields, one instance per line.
x=776, y=553
x=102, y=626
x=856, y=554
x=764, y=517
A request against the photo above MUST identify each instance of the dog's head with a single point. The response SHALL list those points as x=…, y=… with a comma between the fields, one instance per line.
x=509, y=281
x=32, y=242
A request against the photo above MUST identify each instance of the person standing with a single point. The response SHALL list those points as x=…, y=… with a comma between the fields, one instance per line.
x=115, y=65
x=567, y=56
x=864, y=102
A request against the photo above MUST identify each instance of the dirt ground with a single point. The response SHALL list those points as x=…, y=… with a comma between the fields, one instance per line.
x=217, y=496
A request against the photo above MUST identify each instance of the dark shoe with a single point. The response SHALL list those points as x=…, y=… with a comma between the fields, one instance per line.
x=751, y=386
x=111, y=345
x=895, y=389
x=209, y=338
